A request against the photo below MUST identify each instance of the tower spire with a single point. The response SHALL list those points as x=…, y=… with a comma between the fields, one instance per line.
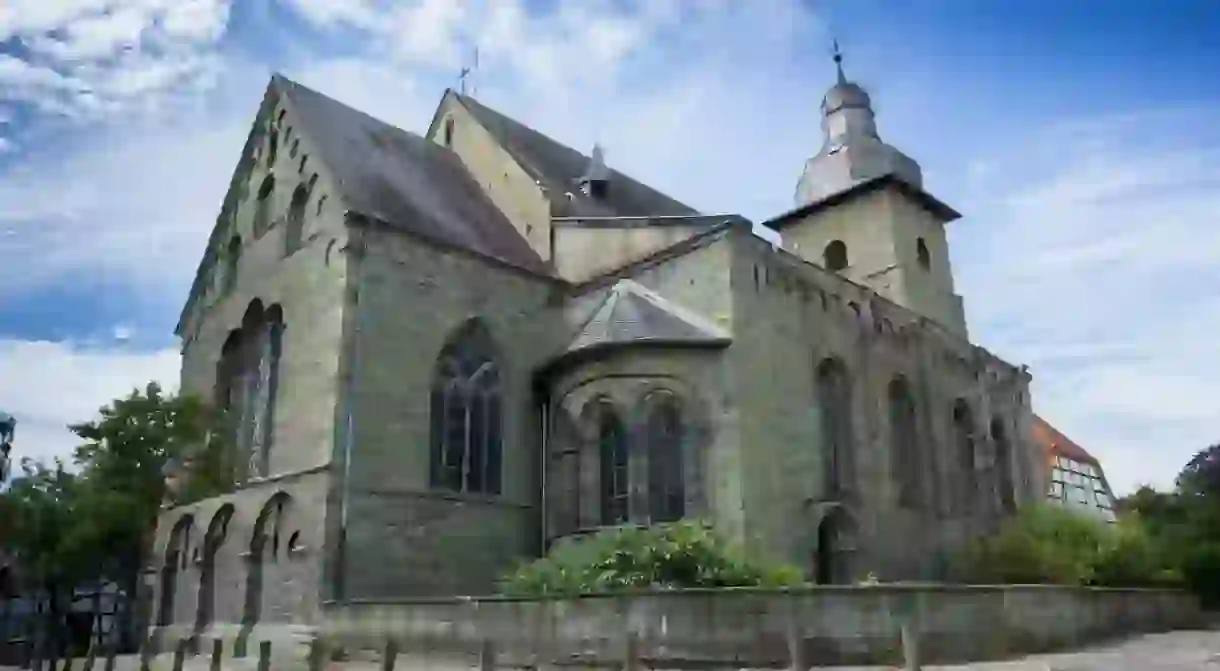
x=838, y=59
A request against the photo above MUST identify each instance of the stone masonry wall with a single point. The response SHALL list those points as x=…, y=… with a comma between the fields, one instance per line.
x=404, y=538
x=752, y=628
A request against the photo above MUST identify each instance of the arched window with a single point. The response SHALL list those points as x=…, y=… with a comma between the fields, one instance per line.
x=466, y=433
x=922, y=254
x=296, y=146
x=232, y=263
x=904, y=443
x=295, y=230
x=835, y=255
x=448, y=132
x=963, y=445
x=834, y=403
x=273, y=145
x=664, y=434
x=264, y=209
x=612, y=455
x=271, y=343
x=1003, y=461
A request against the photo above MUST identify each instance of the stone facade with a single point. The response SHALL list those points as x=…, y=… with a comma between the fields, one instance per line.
x=444, y=353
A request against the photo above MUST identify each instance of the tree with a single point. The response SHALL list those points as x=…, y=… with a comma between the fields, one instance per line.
x=95, y=524
x=682, y=554
x=1201, y=475
x=129, y=450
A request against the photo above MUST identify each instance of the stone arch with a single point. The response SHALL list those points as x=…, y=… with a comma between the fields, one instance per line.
x=295, y=230
x=664, y=432
x=265, y=206
x=1003, y=462
x=963, y=447
x=567, y=444
x=904, y=442
x=176, y=558
x=466, y=413
x=834, y=256
x=922, y=254
x=836, y=540
x=834, y=401
x=266, y=542
x=213, y=541
x=608, y=430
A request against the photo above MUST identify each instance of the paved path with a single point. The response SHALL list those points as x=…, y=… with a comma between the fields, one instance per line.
x=1174, y=651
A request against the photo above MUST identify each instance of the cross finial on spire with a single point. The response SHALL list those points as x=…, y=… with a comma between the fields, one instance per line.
x=838, y=58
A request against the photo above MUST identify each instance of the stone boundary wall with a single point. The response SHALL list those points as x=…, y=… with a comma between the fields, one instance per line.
x=760, y=628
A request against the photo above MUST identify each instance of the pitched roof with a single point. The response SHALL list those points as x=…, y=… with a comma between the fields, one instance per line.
x=559, y=168
x=631, y=314
x=1053, y=442
x=404, y=181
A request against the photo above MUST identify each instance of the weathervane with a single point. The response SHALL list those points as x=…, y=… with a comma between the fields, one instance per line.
x=837, y=55
x=467, y=73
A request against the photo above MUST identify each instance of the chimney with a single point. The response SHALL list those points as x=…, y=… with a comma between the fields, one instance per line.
x=596, y=180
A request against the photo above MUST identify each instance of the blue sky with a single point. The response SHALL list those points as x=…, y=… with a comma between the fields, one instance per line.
x=1078, y=139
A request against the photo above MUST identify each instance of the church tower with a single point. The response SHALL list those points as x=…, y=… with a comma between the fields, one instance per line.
x=861, y=211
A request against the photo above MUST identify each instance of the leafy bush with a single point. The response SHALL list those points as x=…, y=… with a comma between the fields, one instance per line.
x=683, y=554
x=1201, y=570
x=1043, y=544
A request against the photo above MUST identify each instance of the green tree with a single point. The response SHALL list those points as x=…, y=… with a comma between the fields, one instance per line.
x=1201, y=475
x=127, y=454
x=682, y=554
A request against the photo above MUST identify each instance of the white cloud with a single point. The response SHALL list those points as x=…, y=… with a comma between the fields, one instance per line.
x=1092, y=271
x=49, y=385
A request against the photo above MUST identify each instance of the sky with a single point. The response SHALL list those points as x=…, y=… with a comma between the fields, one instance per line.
x=1078, y=140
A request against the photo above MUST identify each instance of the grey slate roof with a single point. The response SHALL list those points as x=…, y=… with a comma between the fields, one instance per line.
x=405, y=181
x=559, y=168
x=632, y=314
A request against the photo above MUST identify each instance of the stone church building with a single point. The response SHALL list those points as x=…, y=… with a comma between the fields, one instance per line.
x=446, y=352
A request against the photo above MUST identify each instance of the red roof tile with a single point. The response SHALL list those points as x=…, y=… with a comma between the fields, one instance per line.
x=1056, y=444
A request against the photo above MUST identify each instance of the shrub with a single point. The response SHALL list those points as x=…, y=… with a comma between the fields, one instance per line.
x=1043, y=544
x=680, y=555
x=1201, y=571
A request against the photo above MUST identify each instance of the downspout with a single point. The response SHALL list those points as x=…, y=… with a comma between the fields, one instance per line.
x=545, y=460
x=355, y=246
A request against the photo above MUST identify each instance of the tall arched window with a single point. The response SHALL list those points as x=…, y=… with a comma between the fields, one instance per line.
x=266, y=202
x=295, y=229
x=613, y=461
x=834, y=403
x=1003, y=462
x=835, y=255
x=232, y=263
x=664, y=443
x=466, y=433
x=963, y=445
x=448, y=131
x=904, y=443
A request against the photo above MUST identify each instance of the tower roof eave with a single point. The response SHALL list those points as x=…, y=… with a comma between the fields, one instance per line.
x=926, y=200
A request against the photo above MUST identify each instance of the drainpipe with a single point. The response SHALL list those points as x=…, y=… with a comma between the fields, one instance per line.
x=544, y=460
x=355, y=246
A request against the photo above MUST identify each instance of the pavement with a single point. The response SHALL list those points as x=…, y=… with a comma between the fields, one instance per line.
x=1173, y=651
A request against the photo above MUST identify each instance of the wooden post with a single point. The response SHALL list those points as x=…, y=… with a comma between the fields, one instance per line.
x=910, y=645
x=91, y=656
x=218, y=649
x=110, y=654
x=264, y=656
x=317, y=655
x=146, y=652
x=631, y=652
x=796, y=638
x=390, y=655
x=487, y=655
x=180, y=654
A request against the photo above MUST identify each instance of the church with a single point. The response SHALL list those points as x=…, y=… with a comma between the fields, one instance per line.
x=444, y=353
